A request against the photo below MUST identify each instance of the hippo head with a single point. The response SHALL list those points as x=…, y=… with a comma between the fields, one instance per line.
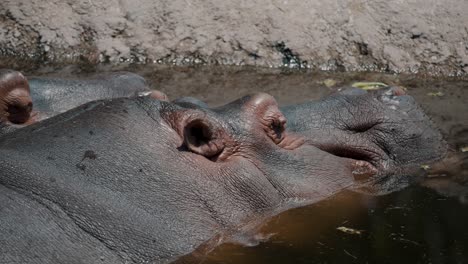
x=154, y=180
x=371, y=142
x=52, y=96
x=15, y=99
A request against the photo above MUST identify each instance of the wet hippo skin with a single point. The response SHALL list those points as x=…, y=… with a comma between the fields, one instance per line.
x=140, y=180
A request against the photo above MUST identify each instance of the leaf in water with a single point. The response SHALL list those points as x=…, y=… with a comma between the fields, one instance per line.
x=436, y=94
x=350, y=231
x=329, y=83
x=369, y=85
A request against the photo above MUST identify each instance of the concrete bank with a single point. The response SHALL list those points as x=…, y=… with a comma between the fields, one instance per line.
x=429, y=36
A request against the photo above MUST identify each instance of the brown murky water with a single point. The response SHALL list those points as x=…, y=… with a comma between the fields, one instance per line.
x=421, y=224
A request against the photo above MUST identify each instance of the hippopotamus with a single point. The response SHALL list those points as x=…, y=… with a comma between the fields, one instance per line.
x=142, y=180
x=24, y=101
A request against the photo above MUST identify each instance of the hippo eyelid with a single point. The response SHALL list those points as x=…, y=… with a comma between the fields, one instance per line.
x=363, y=127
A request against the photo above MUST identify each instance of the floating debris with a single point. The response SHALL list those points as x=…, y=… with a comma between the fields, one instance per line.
x=349, y=254
x=397, y=208
x=350, y=231
x=400, y=237
x=368, y=86
x=464, y=149
x=329, y=83
x=436, y=94
x=440, y=175
x=425, y=167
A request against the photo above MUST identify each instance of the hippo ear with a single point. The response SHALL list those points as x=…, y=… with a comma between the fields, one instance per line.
x=15, y=98
x=202, y=137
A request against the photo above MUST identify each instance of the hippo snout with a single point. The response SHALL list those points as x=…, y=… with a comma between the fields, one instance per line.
x=385, y=132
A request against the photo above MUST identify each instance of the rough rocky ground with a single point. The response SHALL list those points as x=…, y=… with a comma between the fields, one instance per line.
x=429, y=36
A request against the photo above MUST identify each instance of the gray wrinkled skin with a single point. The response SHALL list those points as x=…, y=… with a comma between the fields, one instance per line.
x=115, y=181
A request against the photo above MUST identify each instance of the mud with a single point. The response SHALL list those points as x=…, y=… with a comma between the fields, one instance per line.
x=425, y=36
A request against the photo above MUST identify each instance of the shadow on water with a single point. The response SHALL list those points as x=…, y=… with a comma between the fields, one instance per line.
x=421, y=224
